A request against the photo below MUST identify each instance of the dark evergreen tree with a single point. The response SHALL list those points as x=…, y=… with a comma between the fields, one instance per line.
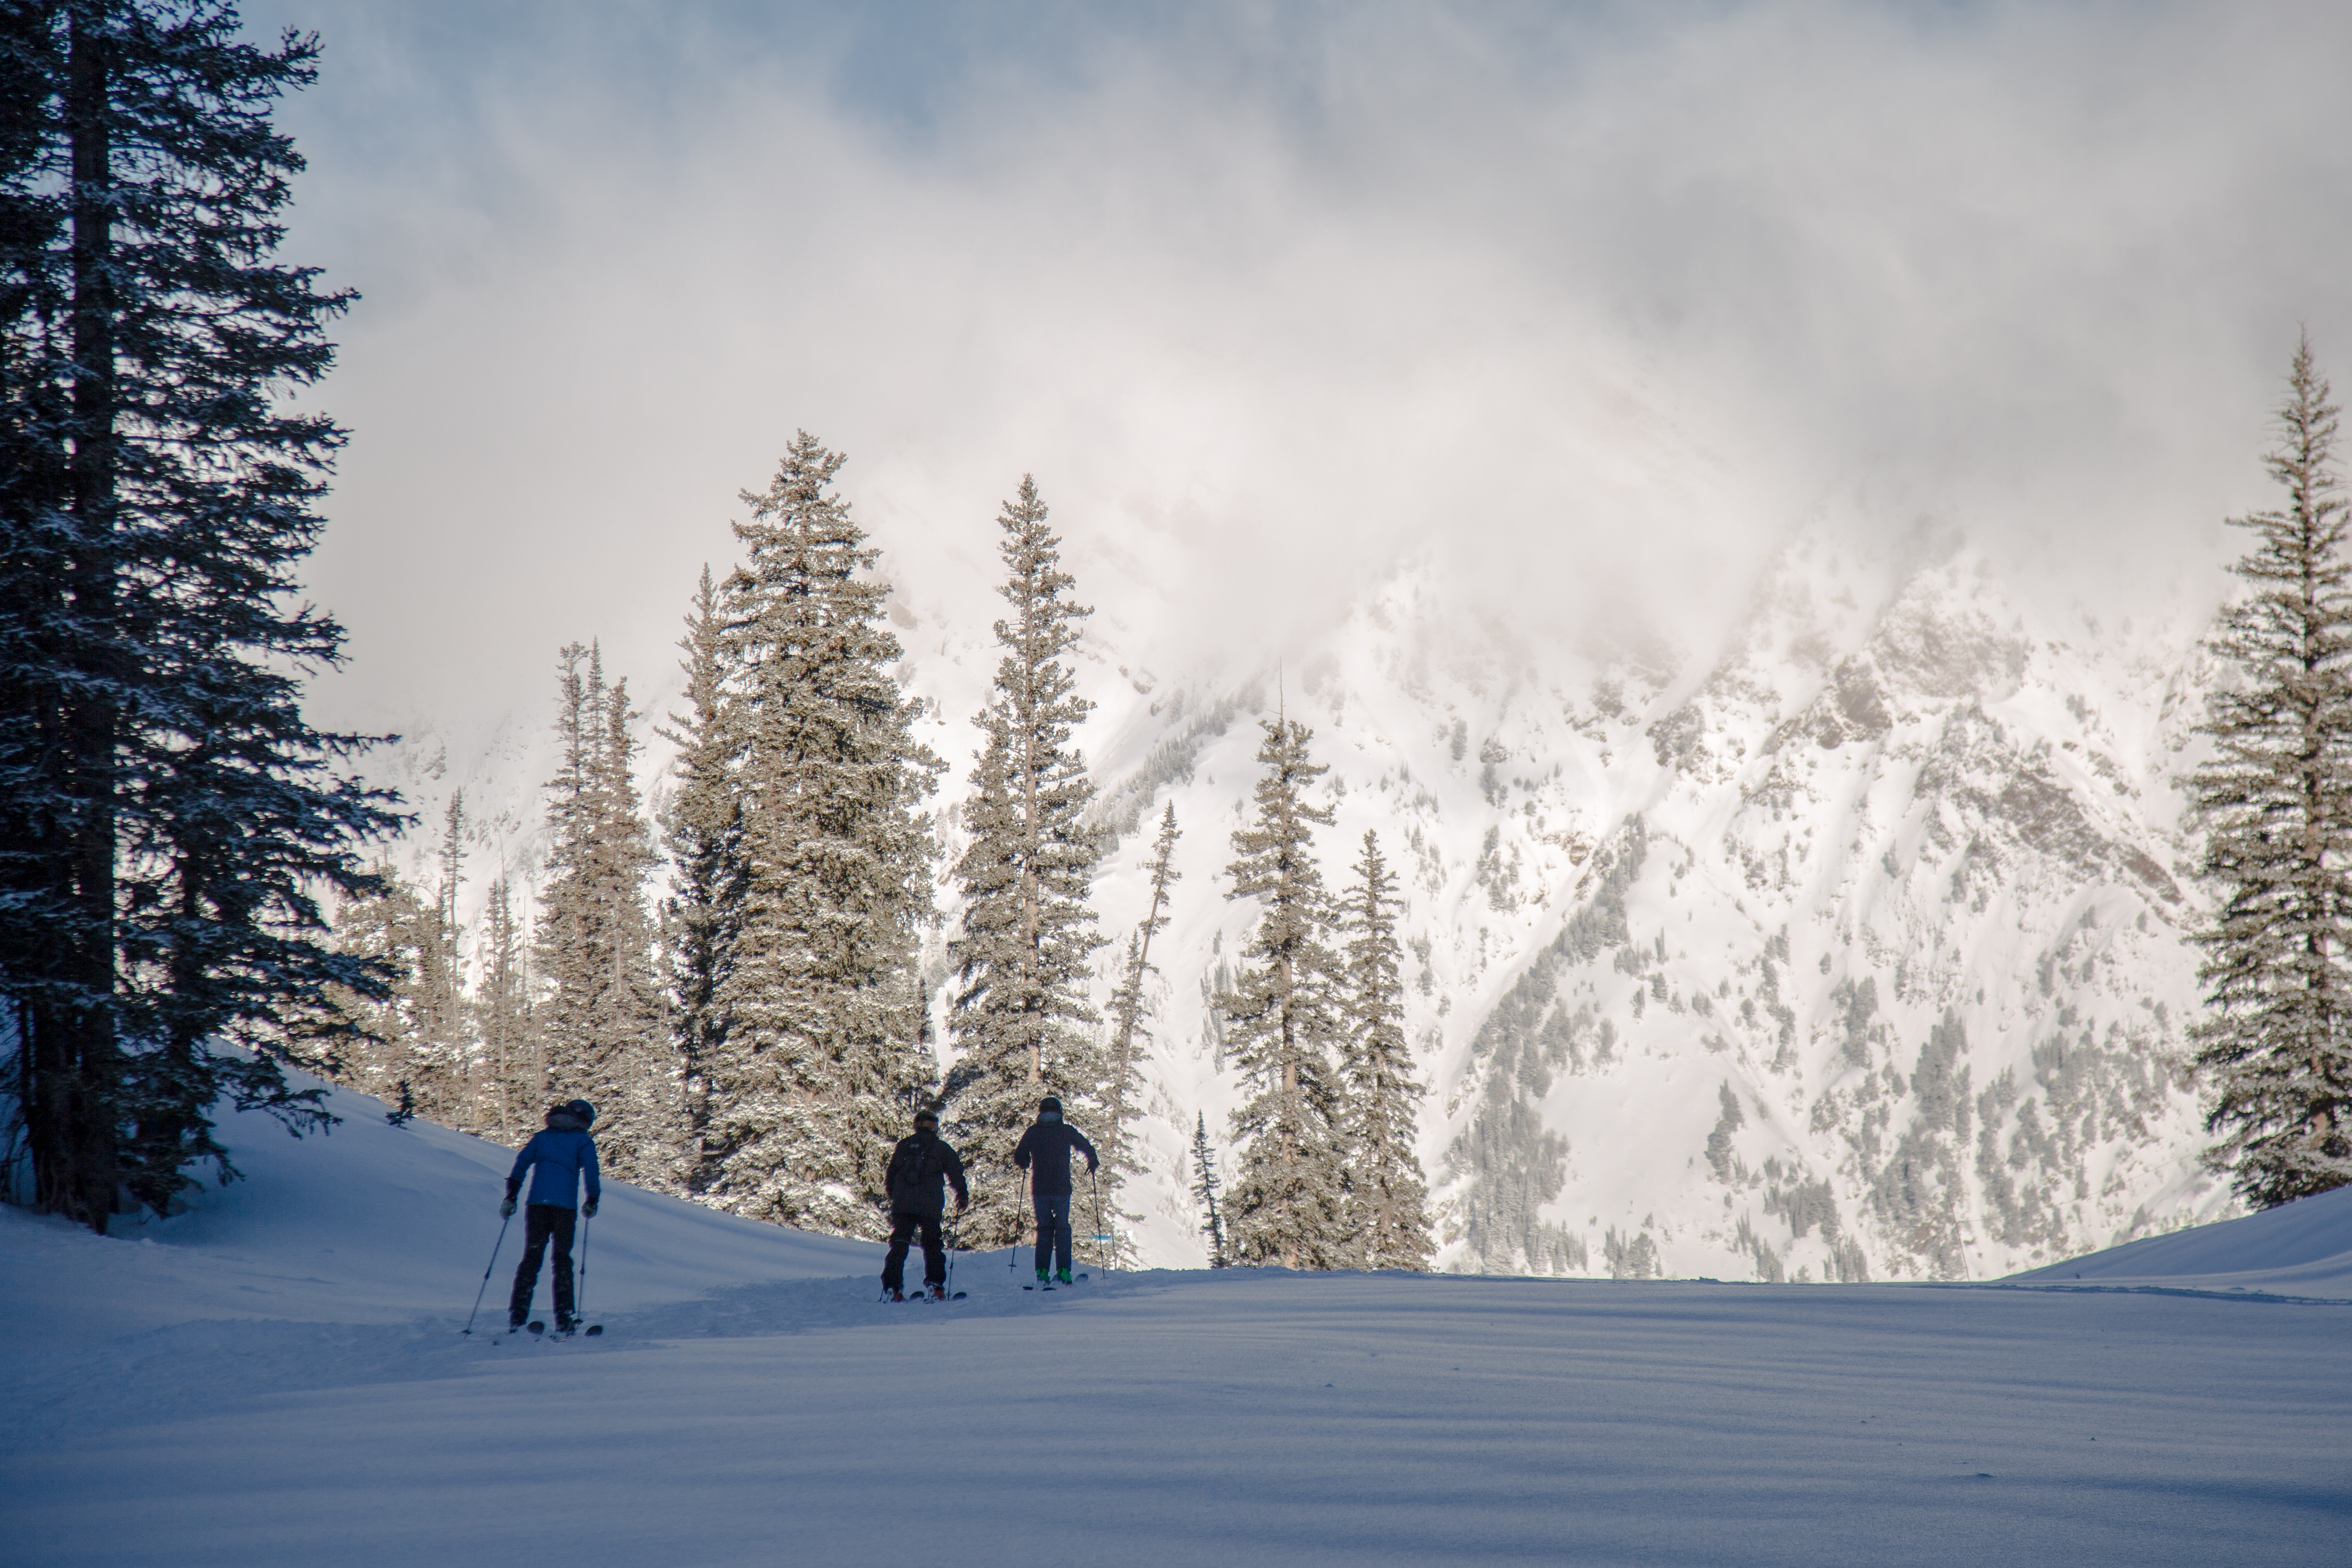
x=167, y=818
x=2276, y=799
x=824, y=1050
x=1283, y=1019
x=1205, y=1187
x=1123, y=1084
x=703, y=830
x=1019, y=1018
x=1387, y=1215
x=600, y=1017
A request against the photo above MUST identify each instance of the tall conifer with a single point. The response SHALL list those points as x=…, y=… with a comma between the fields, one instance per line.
x=168, y=819
x=822, y=1051
x=1205, y=1187
x=2277, y=801
x=513, y=1079
x=1019, y=1018
x=1387, y=1199
x=600, y=1017
x=1123, y=1082
x=1283, y=1021
x=703, y=830
x=443, y=1079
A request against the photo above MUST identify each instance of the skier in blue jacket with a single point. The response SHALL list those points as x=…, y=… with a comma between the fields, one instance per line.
x=1044, y=1152
x=563, y=1153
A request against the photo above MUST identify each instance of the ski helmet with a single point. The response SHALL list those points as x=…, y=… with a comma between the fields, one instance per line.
x=927, y=1114
x=582, y=1109
x=1050, y=1106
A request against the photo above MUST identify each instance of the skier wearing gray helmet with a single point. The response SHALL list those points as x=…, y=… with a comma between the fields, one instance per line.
x=1044, y=1152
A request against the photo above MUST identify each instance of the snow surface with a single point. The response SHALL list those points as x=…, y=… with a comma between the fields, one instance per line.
x=275, y=1377
x=2301, y=1248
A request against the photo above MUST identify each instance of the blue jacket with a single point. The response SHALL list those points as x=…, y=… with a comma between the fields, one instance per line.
x=1044, y=1152
x=563, y=1158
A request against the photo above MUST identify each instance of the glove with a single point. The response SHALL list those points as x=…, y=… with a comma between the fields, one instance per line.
x=589, y=1208
x=506, y=1209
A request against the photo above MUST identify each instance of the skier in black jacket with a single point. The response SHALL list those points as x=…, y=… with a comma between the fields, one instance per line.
x=1044, y=1152
x=919, y=1167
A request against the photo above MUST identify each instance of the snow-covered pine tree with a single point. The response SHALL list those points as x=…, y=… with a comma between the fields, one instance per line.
x=824, y=1052
x=1019, y=1018
x=1387, y=1199
x=442, y=1072
x=1206, y=1186
x=1123, y=1082
x=601, y=1018
x=513, y=1079
x=375, y=1042
x=2276, y=800
x=703, y=830
x=168, y=820
x=1283, y=1018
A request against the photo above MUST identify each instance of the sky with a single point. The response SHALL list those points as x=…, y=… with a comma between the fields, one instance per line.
x=1584, y=306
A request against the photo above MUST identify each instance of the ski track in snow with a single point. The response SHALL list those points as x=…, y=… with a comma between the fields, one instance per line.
x=278, y=1378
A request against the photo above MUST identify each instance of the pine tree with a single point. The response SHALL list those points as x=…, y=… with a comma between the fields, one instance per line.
x=168, y=820
x=1123, y=1085
x=375, y=1042
x=1387, y=1199
x=1206, y=1186
x=824, y=1052
x=1020, y=1018
x=703, y=830
x=441, y=1074
x=601, y=1018
x=2276, y=799
x=514, y=1078
x=1283, y=1020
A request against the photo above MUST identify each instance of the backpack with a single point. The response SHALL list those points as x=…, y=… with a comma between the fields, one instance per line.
x=910, y=1169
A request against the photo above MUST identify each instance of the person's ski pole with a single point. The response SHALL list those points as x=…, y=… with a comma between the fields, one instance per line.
x=1102, y=1237
x=580, y=1301
x=951, y=1241
x=501, y=1241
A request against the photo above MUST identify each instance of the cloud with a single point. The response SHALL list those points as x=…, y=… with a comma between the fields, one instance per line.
x=1586, y=305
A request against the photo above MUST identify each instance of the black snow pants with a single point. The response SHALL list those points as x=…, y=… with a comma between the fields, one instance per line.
x=935, y=1256
x=1053, y=1229
x=543, y=1223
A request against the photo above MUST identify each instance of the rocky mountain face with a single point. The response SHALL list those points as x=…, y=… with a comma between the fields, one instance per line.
x=1852, y=948
x=1849, y=945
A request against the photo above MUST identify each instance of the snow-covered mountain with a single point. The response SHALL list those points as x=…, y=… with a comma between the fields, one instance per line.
x=1845, y=944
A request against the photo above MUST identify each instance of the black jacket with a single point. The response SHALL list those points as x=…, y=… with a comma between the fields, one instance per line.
x=1047, y=1145
x=919, y=1166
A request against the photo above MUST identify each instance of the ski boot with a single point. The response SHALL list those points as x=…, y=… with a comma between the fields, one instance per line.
x=938, y=1292
x=1044, y=1277
x=897, y=1295
x=1061, y=1277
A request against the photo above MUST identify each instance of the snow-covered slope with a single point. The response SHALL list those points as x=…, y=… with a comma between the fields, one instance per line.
x=371, y=1224
x=2302, y=1248
x=275, y=1379
x=1844, y=941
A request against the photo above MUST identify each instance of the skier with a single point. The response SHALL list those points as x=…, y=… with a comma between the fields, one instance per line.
x=918, y=1166
x=1044, y=1152
x=563, y=1153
